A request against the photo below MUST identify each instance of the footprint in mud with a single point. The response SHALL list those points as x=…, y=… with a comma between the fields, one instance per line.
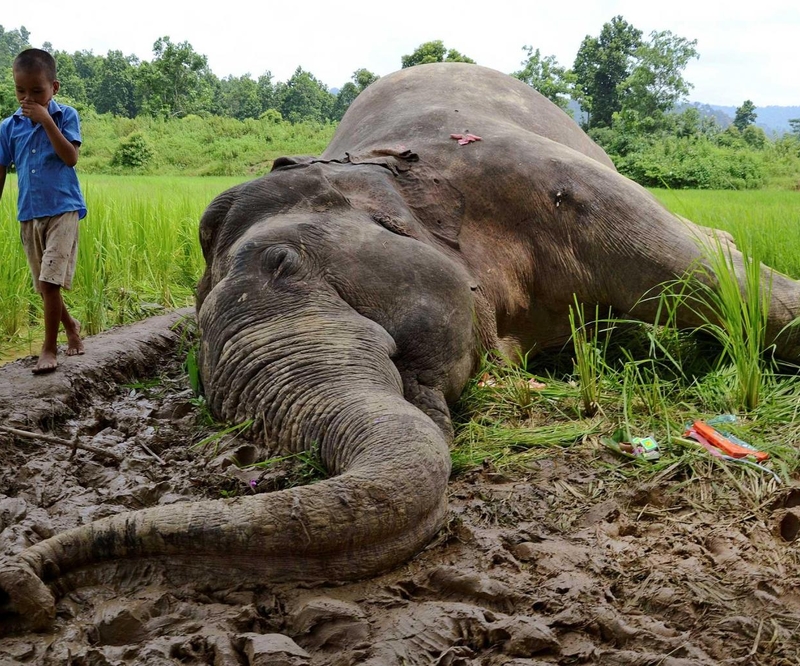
x=788, y=508
x=789, y=525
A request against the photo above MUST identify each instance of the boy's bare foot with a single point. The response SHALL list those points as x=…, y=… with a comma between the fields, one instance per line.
x=46, y=363
x=74, y=342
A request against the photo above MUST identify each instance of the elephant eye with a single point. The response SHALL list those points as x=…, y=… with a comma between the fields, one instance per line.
x=281, y=260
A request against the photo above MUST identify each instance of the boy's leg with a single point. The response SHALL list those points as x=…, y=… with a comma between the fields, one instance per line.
x=56, y=313
x=51, y=247
x=73, y=329
x=53, y=309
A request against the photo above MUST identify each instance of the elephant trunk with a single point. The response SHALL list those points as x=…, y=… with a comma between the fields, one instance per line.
x=342, y=395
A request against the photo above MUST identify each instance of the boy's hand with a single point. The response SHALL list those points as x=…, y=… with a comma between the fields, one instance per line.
x=36, y=112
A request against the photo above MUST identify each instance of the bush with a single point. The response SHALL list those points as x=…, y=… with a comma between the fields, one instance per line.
x=272, y=116
x=693, y=164
x=134, y=152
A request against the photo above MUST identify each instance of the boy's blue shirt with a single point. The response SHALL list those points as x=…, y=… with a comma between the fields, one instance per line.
x=46, y=185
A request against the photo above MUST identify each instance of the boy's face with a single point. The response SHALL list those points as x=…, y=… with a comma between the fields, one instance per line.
x=34, y=86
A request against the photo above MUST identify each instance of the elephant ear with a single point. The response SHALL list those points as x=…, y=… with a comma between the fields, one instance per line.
x=210, y=224
x=295, y=160
x=434, y=201
x=436, y=204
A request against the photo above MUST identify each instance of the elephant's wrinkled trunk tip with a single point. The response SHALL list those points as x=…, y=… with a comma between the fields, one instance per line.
x=25, y=601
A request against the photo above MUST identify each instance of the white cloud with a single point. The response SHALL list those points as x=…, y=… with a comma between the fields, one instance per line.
x=745, y=50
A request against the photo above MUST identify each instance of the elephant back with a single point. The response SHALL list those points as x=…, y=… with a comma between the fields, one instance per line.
x=437, y=99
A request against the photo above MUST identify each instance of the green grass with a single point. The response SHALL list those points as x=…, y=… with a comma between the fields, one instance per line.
x=634, y=399
x=194, y=146
x=767, y=221
x=628, y=379
x=138, y=254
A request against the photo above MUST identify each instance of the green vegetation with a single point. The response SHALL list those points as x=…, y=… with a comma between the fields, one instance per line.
x=139, y=253
x=194, y=146
x=434, y=51
x=637, y=380
x=173, y=115
x=648, y=394
x=765, y=221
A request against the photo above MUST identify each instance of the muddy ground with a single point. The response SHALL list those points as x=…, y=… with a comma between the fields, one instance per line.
x=559, y=564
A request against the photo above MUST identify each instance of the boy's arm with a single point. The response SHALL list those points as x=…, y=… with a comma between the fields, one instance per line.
x=2, y=179
x=66, y=150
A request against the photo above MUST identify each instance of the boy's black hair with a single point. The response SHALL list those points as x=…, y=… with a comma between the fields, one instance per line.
x=31, y=59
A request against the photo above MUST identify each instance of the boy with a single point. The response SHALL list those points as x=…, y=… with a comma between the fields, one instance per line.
x=42, y=139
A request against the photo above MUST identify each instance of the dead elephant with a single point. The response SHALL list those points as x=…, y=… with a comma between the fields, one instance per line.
x=346, y=301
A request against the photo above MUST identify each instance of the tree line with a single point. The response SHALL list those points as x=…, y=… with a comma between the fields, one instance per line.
x=625, y=88
x=178, y=82
x=616, y=73
x=616, y=70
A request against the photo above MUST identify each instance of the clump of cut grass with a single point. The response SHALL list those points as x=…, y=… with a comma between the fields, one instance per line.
x=512, y=447
x=301, y=468
x=589, y=357
x=735, y=314
x=214, y=443
x=508, y=416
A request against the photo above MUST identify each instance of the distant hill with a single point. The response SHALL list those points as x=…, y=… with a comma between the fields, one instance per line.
x=772, y=119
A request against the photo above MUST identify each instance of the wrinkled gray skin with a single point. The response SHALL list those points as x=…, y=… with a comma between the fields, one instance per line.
x=346, y=302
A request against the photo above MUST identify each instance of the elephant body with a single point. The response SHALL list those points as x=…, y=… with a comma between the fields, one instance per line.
x=348, y=298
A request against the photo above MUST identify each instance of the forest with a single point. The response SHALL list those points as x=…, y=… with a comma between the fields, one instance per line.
x=174, y=116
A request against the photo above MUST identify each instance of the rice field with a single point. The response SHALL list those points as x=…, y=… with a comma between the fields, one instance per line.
x=139, y=250
x=765, y=222
x=138, y=254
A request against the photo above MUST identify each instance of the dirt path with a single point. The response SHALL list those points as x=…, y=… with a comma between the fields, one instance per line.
x=560, y=565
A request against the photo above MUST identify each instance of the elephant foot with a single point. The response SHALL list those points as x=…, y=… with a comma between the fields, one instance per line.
x=26, y=604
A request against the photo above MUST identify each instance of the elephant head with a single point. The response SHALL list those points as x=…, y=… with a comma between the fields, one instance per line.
x=334, y=326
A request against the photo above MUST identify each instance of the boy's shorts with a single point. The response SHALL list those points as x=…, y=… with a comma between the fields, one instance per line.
x=51, y=245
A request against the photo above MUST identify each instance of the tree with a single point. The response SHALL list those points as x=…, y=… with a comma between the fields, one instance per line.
x=8, y=98
x=73, y=87
x=266, y=92
x=177, y=82
x=601, y=65
x=360, y=80
x=239, y=97
x=116, y=88
x=745, y=115
x=455, y=56
x=434, y=51
x=794, y=123
x=755, y=137
x=363, y=78
x=656, y=83
x=347, y=94
x=546, y=76
x=303, y=97
x=88, y=67
x=11, y=43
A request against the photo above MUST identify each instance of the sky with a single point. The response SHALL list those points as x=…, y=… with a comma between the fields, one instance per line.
x=747, y=50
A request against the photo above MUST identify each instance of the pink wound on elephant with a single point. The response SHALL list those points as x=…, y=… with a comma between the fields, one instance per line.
x=464, y=139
